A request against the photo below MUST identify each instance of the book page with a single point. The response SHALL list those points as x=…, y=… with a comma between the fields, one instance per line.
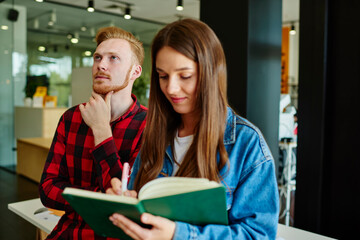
x=101, y=196
x=167, y=186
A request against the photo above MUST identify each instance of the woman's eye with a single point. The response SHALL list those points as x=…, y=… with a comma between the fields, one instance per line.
x=163, y=77
x=186, y=77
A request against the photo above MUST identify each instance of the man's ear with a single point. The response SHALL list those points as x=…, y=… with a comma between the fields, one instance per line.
x=137, y=69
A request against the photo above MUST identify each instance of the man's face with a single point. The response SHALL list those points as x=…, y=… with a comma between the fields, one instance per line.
x=113, y=64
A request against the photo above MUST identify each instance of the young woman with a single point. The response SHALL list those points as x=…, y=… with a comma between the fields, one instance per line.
x=192, y=132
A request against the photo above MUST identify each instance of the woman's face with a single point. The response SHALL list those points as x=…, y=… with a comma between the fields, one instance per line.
x=178, y=79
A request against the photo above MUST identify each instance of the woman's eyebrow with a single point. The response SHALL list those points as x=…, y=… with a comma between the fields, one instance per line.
x=177, y=69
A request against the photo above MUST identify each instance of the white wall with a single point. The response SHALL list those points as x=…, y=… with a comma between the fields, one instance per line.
x=81, y=85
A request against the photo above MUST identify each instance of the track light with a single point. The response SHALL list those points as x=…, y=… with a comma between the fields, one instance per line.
x=179, y=5
x=92, y=32
x=38, y=0
x=52, y=20
x=292, y=29
x=90, y=7
x=127, y=13
x=36, y=23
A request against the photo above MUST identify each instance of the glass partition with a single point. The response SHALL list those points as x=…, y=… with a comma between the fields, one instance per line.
x=13, y=62
x=61, y=38
x=48, y=41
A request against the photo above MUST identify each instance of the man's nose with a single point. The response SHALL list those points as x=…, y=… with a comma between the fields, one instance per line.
x=102, y=65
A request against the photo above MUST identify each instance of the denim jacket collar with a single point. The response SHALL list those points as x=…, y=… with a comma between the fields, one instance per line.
x=230, y=130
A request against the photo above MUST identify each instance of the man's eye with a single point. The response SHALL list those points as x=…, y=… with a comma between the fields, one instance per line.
x=114, y=58
x=97, y=57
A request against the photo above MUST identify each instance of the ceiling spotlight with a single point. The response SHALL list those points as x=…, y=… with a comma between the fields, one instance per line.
x=41, y=48
x=75, y=38
x=69, y=36
x=4, y=27
x=83, y=28
x=90, y=7
x=292, y=29
x=87, y=53
x=39, y=0
x=127, y=13
x=180, y=5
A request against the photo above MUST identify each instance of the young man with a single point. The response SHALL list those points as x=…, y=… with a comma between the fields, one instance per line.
x=93, y=140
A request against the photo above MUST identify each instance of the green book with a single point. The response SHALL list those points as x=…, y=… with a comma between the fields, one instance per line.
x=193, y=200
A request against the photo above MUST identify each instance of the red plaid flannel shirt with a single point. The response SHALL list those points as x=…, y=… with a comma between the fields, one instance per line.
x=74, y=161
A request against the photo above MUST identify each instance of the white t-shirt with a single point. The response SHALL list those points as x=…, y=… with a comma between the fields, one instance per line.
x=181, y=146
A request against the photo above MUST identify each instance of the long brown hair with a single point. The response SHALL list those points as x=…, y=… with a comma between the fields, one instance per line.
x=197, y=41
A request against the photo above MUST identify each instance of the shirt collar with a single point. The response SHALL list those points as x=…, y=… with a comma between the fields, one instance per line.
x=132, y=110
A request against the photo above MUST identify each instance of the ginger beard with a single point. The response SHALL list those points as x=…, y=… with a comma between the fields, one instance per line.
x=101, y=87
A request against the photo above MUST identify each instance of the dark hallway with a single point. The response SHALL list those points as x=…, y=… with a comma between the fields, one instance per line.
x=15, y=188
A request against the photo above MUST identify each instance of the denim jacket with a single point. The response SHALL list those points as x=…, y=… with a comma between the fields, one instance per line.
x=252, y=194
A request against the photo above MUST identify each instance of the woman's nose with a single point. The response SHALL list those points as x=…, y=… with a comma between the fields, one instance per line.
x=173, y=85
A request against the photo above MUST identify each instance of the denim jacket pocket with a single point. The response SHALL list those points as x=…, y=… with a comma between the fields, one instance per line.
x=163, y=173
x=229, y=197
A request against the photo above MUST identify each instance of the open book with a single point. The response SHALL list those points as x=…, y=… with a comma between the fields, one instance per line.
x=192, y=200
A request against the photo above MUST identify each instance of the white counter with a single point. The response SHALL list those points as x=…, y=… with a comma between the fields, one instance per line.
x=26, y=210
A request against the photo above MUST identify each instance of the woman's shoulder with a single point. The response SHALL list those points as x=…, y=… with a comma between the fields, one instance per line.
x=241, y=130
x=236, y=124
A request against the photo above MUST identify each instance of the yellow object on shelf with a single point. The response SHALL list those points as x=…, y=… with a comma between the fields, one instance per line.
x=50, y=101
x=39, y=96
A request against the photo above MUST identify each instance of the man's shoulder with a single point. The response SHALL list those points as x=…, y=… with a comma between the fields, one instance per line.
x=140, y=113
x=72, y=112
x=143, y=108
x=136, y=109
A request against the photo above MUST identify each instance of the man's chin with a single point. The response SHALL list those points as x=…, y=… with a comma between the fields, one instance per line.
x=104, y=91
x=101, y=91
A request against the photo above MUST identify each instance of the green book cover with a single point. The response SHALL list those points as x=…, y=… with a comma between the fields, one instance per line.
x=192, y=200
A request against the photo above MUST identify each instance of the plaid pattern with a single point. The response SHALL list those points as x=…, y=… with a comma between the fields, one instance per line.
x=74, y=161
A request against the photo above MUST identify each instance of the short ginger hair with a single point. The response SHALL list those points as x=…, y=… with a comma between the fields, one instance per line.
x=106, y=33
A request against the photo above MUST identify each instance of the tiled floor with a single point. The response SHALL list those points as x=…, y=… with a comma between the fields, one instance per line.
x=14, y=188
